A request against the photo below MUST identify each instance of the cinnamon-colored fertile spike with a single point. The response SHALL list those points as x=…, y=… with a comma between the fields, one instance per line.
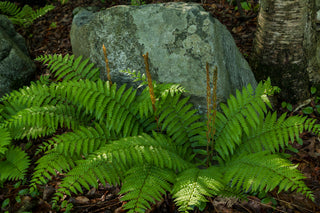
x=152, y=96
x=107, y=63
x=153, y=99
x=211, y=108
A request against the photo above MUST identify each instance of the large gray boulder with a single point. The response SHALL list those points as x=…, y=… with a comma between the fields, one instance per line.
x=16, y=68
x=180, y=39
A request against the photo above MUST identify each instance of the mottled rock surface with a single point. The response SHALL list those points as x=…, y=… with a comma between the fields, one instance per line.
x=16, y=68
x=180, y=39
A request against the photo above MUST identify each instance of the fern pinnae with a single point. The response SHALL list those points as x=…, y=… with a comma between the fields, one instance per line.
x=46, y=118
x=144, y=184
x=9, y=8
x=273, y=133
x=49, y=164
x=193, y=184
x=67, y=68
x=229, y=130
x=5, y=140
x=15, y=165
x=263, y=172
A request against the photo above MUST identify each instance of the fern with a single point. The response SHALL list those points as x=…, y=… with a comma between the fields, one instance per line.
x=5, y=140
x=113, y=137
x=194, y=184
x=25, y=16
x=143, y=185
x=68, y=68
x=15, y=165
x=263, y=171
x=237, y=119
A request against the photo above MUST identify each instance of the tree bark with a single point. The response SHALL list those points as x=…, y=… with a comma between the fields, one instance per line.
x=284, y=42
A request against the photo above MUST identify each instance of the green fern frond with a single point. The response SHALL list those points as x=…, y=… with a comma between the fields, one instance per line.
x=15, y=164
x=83, y=141
x=192, y=185
x=272, y=133
x=115, y=108
x=179, y=120
x=136, y=76
x=9, y=8
x=49, y=165
x=5, y=140
x=40, y=12
x=24, y=16
x=37, y=122
x=67, y=68
x=262, y=171
x=35, y=95
x=239, y=117
x=103, y=167
x=110, y=162
x=144, y=185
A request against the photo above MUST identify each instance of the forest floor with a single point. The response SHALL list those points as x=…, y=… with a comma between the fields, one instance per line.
x=50, y=35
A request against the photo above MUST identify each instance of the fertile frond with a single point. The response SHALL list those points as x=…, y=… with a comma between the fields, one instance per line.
x=67, y=68
x=194, y=184
x=272, y=133
x=5, y=140
x=15, y=164
x=144, y=184
x=239, y=117
x=262, y=171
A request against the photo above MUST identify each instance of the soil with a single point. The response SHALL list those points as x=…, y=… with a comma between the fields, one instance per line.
x=50, y=35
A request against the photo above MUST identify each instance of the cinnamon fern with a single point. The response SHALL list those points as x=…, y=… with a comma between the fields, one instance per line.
x=111, y=136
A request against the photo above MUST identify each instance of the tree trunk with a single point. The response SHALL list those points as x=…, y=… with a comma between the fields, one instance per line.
x=284, y=43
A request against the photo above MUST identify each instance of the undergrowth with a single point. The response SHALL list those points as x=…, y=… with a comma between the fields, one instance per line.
x=149, y=143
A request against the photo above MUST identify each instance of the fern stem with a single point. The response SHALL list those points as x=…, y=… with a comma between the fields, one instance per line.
x=152, y=96
x=107, y=64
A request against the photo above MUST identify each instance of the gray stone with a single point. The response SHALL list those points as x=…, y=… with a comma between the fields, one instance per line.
x=16, y=67
x=180, y=39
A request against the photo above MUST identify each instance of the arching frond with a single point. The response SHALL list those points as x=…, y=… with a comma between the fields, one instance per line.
x=36, y=122
x=15, y=165
x=67, y=68
x=239, y=116
x=144, y=185
x=49, y=164
x=180, y=121
x=83, y=141
x=110, y=162
x=272, y=133
x=194, y=184
x=263, y=171
x=24, y=16
x=5, y=140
